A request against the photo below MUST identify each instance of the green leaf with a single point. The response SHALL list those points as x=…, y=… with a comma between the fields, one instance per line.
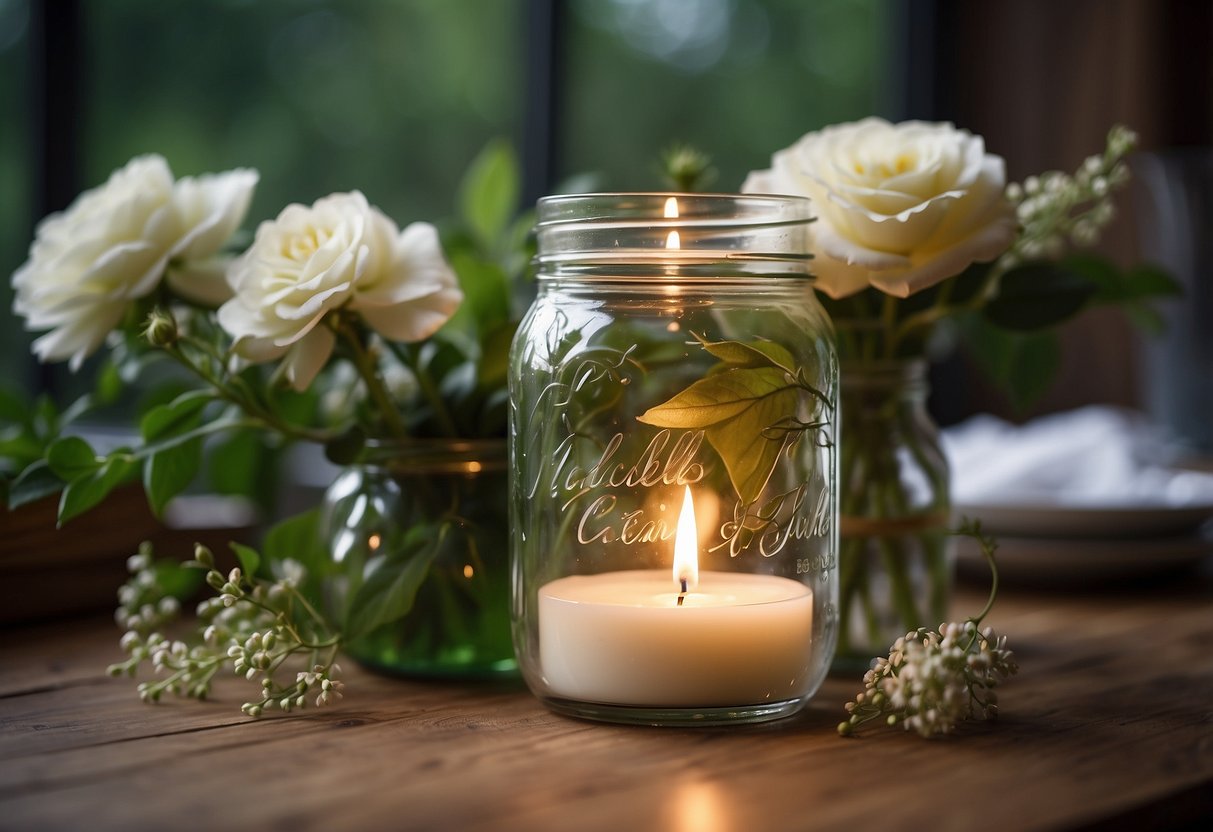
x=1146, y=318
x=1146, y=281
x=486, y=293
x=168, y=472
x=388, y=592
x=488, y=194
x=13, y=408
x=495, y=357
x=71, y=458
x=32, y=484
x=297, y=538
x=177, y=579
x=753, y=354
x=241, y=464
x=86, y=491
x=1023, y=365
x=181, y=414
x=1038, y=295
x=737, y=409
x=75, y=410
x=109, y=385
x=250, y=560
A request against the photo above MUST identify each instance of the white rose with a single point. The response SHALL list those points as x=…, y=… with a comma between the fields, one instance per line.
x=900, y=206
x=114, y=244
x=340, y=252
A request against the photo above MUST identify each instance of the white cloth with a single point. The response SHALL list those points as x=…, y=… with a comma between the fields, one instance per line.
x=1095, y=456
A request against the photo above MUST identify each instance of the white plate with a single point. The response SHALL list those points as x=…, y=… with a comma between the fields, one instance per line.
x=1024, y=559
x=1112, y=521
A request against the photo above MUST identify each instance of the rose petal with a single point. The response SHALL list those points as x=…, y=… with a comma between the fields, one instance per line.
x=212, y=208
x=201, y=281
x=307, y=357
x=416, y=319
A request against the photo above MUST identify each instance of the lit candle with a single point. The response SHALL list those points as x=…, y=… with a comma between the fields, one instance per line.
x=710, y=639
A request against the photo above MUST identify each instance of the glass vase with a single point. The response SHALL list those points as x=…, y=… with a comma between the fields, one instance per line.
x=895, y=555
x=673, y=392
x=429, y=516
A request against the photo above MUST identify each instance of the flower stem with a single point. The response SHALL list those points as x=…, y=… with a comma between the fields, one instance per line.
x=409, y=358
x=365, y=365
x=259, y=416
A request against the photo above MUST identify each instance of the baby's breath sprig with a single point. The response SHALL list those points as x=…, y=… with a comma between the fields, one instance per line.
x=934, y=679
x=1055, y=206
x=256, y=626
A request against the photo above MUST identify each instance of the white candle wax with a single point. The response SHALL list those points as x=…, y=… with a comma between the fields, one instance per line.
x=621, y=638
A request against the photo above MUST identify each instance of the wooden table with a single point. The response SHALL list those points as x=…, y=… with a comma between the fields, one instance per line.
x=1109, y=724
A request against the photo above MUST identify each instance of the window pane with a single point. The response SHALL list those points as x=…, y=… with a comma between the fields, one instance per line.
x=16, y=224
x=393, y=98
x=738, y=79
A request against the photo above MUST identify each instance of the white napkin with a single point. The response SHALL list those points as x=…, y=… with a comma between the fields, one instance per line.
x=1095, y=456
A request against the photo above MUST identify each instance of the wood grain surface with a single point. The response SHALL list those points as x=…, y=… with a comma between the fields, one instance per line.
x=1109, y=724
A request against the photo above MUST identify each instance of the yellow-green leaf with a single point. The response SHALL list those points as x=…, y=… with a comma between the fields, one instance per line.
x=736, y=409
x=753, y=354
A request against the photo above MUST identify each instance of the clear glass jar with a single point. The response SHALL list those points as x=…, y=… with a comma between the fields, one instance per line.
x=673, y=506
x=896, y=555
x=424, y=516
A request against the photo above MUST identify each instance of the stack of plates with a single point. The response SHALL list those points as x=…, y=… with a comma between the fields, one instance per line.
x=1089, y=543
x=1085, y=495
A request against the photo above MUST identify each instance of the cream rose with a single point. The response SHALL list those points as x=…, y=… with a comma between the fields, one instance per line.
x=340, y=252
x=899, y=206
x=114, y=245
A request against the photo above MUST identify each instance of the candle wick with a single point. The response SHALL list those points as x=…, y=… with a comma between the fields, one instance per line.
x=682, y=595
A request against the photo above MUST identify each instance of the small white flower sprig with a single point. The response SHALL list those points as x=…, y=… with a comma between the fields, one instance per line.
x=1057, y=206
x=934, y=679
x=253, y=625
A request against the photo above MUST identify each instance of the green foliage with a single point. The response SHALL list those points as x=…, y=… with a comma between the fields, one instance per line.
x=1009, y=337
x=1022, y=364
x=1038, y=295
x=387, y=594
x=458, y=379
x=461, y=371
x=88, y=489
x=298, y=538
x=488, y=197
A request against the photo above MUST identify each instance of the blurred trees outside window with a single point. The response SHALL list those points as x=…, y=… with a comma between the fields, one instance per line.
x=395, y=97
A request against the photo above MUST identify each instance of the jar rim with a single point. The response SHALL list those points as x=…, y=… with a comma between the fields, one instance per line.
x=673, y=236
x=649, y=208
x=437, y=455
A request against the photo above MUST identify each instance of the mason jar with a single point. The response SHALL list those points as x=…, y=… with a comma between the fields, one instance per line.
x=673, y=461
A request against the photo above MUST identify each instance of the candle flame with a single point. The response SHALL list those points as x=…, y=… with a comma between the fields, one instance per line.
x=672, y=240
x=686, y=545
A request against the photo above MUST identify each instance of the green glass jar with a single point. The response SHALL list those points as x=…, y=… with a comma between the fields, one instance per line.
x=429, y=514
